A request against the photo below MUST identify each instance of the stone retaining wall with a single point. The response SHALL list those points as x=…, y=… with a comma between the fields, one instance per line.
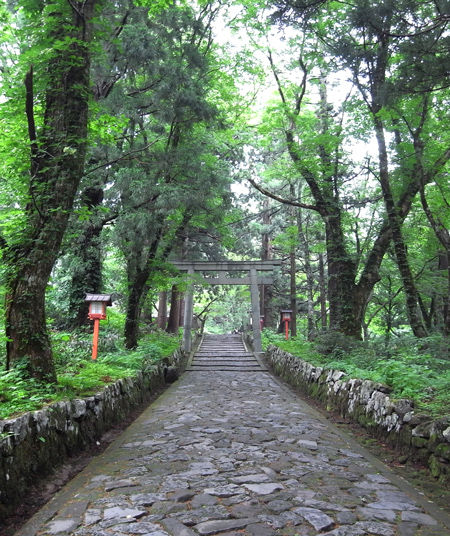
x=33, y=444
x=417, y=436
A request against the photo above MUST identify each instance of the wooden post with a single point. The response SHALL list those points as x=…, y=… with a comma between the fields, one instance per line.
x=188, y=308
x=255, y=311
x=95, y=338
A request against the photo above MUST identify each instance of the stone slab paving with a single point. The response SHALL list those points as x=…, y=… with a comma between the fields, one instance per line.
x=235, y=454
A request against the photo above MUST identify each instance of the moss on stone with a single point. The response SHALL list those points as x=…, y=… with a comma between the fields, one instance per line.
x=443, y=450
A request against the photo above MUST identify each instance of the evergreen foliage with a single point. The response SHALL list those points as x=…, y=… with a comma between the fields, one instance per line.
x=136, y=133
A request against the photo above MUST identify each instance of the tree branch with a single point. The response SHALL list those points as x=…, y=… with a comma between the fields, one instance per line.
x=205, y=310
x=3, y=243
x=281, y=199
x=114, y=216
x=277, y=79
x=29, y=110
x=120, y=158
x=299, y=99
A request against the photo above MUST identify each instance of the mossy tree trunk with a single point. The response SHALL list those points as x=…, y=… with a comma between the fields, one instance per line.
x=57, y=162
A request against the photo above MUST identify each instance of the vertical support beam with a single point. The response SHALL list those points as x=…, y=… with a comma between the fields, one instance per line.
x=188, y=309
x=255, y=310
x=95, y=338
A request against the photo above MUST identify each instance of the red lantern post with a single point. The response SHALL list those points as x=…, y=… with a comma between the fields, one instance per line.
x=97, y=312
x=286, y=315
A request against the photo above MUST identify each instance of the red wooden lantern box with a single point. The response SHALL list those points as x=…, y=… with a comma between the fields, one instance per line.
x=97, y=305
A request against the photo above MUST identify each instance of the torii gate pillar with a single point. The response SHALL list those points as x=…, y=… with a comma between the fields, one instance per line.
x=256, y=326
x=188, y=310
x=222, y=267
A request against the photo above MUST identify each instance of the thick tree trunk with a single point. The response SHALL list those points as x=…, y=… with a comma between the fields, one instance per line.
x=139, y=269
x=26, y=327
x=344, y=300
x=134, y=309
x=57, y=161
x=173, y=322
x=162, y=310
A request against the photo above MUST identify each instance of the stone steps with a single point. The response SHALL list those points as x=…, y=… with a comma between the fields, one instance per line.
x=225, y=353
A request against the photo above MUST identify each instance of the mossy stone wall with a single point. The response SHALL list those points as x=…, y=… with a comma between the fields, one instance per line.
x=32, y=445
x=420, y=436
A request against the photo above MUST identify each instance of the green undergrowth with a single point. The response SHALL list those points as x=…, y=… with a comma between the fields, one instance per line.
x=418, y=369
x=79, y=375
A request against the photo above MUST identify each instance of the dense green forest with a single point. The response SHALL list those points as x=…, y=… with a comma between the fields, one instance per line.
x=135, y=133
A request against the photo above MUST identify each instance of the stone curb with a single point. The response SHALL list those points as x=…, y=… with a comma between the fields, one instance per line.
x=419, y=436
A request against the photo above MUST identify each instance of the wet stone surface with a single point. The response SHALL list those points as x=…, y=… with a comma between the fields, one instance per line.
x=232, y=454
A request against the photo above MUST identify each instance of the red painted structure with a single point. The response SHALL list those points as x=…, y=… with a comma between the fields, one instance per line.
x=286, y=315
x=97, y=312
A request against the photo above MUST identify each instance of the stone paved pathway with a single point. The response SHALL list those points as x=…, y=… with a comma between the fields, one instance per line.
x=235, y=453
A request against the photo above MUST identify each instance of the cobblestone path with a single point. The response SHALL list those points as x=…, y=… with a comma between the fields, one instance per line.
x=234, y=453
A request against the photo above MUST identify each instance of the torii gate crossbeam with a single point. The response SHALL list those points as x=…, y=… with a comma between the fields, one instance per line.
x=252, y=267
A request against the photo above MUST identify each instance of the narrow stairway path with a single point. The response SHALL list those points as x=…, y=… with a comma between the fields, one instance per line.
x=224, y=353
x=235, y=453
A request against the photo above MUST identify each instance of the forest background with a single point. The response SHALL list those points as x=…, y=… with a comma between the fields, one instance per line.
x=136, y=133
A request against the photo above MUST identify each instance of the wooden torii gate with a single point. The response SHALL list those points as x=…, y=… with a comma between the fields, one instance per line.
x=222, y=267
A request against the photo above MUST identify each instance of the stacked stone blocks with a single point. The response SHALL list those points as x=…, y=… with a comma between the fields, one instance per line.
x=418, y=436
x=33, y=444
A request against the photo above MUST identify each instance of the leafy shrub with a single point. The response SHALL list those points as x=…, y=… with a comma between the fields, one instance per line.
x=335, y=344
x=294, y=345
x=78, y=374
x=18, y=393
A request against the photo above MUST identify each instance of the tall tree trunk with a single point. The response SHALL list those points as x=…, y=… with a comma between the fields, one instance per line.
x=181, y=318
x=442, y=234
x=134, y=308
x=293, y=269
x=57, y=162
x=139, y=272
x=345, y=307
x=87, y=273
x=267, y=308
x=412, y=298
x=348, y=298
x=162, y=310
x=307, y=266
x=139, y=268
x=173, y=322
x=293, y=291
x=323, y=294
